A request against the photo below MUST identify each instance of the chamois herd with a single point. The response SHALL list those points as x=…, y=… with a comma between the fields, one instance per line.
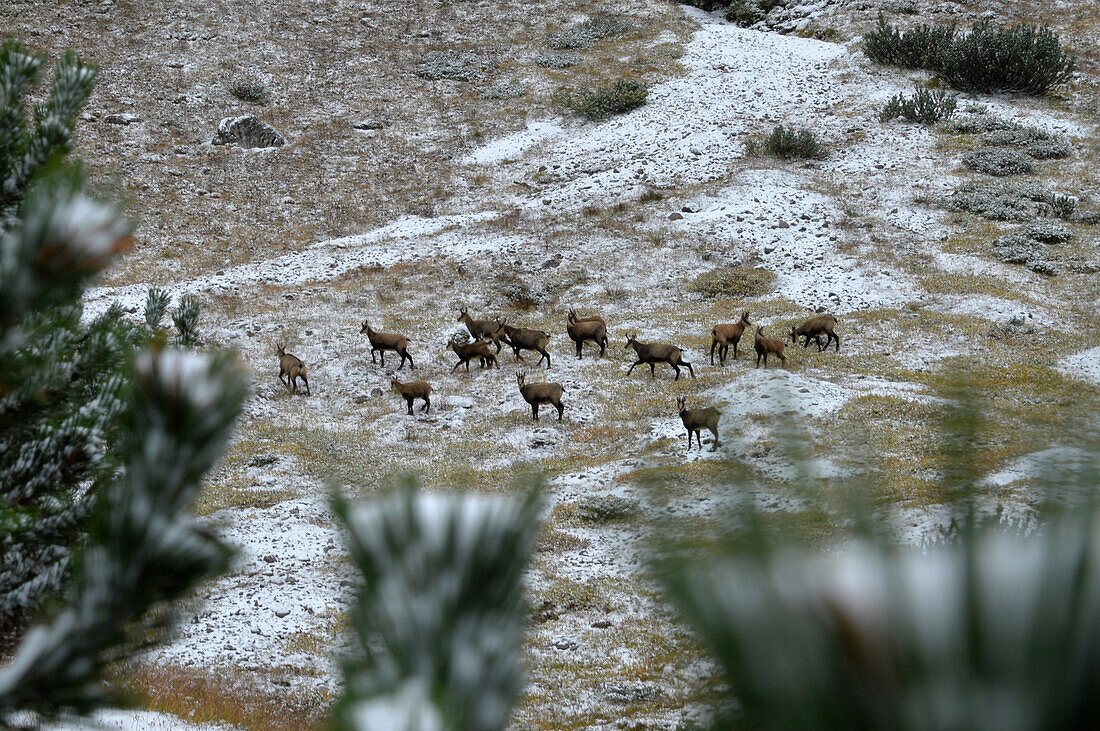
x=487, y=333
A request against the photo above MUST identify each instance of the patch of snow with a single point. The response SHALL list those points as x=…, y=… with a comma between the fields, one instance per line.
x=1084, y=365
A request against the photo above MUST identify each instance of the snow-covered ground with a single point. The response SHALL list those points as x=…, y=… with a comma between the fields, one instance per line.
x=689, y=140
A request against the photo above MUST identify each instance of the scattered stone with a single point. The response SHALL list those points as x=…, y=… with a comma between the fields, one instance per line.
x=782, y=224
x=601, y=624
x=263, y=460
x=1015, y=326
x=376, y=392
x=565, y=644
x=270, y=559
x=369, y=124
x=691, y=208
x=123, y=119
x=675, y=216
x=998, y=161
x=769, y=249
x=280, y=613
x=553, y=262
x=247, y=131
x=362, y=399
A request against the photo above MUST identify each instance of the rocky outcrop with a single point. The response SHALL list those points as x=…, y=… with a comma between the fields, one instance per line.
x=247, y=131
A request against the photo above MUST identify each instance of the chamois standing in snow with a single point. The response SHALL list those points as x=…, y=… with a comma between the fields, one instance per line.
x=413, y=390
x=524, y=338
x=541, y=393
x=468, y=351
x=487, y=329
x=695, y=420
x=580, y=329
x=654, y=353
x=768, y=346
x=381, y=342
x=725, y=335
x=814, y=328
x=293, y=369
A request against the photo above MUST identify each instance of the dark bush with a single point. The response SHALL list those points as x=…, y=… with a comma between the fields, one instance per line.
x=917, y=48
x=620, y=97
x=749, y=12
x=249, y=90
x=1024, y=59
x=707, y=5
x=789, y=143
x=925, y=107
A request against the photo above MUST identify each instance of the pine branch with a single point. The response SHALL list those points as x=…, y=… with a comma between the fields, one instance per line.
x=439, y=622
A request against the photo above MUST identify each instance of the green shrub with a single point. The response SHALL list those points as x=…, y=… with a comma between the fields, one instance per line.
x=917, y=48
x=619, y=98
x=249, y=90
x=925, y=107
x=749, y=12
x=1024, y=59
x=790, y=143
x=733, y=282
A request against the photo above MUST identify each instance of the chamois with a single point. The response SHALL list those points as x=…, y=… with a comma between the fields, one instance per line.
x=695, y=420
x=381, y=342
x=523, y=338
x=413, y=390
x=653, y=353
x=814, y=328
x=588, y=328
x=768, y=346
x=292, y=368
x=474, y=349
x=541, y=393
x=725, y=335
x=488, y=329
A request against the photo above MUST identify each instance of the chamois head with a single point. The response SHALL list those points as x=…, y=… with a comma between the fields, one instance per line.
x=365, y=328
x=520, y=377
x=631, y=338
x=461, y=313
x=745, y=317
x=681, y=404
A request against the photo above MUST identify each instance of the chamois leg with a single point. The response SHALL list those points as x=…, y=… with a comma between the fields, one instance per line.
x=715, y=433
x=427, y=405
x=689, y=439
x=713, y=345
x=456, y=365
x=580, y=348
x=734, y=349
x=561, y=409
x=632, y=367
x=837, y=339
x=677, y=369
x=652, y=369
x=306, y=380
x=782, y=358
x=545, y=355
x=603, y=346
x=690, y=369
x=409, y=401
x=535, y=411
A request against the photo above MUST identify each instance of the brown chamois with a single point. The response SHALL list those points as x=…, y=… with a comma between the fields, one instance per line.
x=487, y=329
x=473, y=349
x=293, y=369
x=814, y=328
x=725, y=335
x=654, y=353
x=695, y=420
x=524, y=338
x=541, y=393
x=588, y=328
x=381, y=342
x=414, y=390
x=768, y=346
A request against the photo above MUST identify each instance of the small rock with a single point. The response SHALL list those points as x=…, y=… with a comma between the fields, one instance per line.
x=368, y=124
x=674, y=216
x=769, y=249
x=601, y=624
x=552, y=262
x=782, y=224
x=362, y=399
x=122, y=119
x=691, y=208
x=247, y=131
x=280, y=613
x=565, y=645
x=546, y=613
x=376, y=392
x=270, y=559
x=262, y=460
